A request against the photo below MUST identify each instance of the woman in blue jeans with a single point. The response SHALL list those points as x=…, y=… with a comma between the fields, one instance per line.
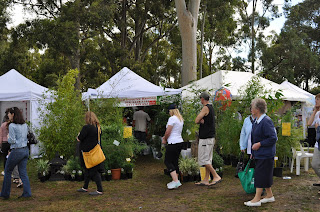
x=19, y=153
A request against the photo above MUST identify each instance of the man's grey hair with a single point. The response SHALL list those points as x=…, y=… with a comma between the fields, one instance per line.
x=259, y=104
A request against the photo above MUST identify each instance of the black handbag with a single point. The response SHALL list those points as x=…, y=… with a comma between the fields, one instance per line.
x=31, y=137
x=240, y=166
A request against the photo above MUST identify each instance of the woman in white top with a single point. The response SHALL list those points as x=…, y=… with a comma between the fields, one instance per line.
x=315, y=121
x=173, y=138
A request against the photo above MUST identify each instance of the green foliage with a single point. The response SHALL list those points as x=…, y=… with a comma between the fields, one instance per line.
x=191, y=107
x=128, y=166
x=62, y=119
x=107, y=111
x=116, y=156
x=217, y=161
x=43, y=166
x=189, y=166
x=73, y=166
x=228, y=128
x=228, y=125
x=284, y=143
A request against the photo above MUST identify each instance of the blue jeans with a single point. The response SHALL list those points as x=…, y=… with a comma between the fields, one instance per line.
x=17, y=157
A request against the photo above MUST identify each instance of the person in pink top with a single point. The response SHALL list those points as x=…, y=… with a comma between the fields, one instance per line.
x=4, y=145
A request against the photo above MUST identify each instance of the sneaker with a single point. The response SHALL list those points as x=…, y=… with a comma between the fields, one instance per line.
x=95, y=193
x=2, y=173
x=252, y=204
x=82, y=190
x=173, y=185
x=266, y=200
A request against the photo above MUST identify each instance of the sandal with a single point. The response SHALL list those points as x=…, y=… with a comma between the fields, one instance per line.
x=20, y=185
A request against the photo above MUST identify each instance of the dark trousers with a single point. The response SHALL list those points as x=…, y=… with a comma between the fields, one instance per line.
x=172, y=157
x=140, y=136
x=92, y=174
x=5, y=149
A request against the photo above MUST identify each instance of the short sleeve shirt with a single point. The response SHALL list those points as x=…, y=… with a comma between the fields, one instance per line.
x=140, y=117
x=175, y=136
x=316, y=121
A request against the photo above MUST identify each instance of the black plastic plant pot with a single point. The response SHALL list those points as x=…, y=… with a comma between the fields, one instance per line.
x=277, y=171
x=108, y=177
x=67, y=177
x=123, y=176
x=79, y=177
x=129, y=175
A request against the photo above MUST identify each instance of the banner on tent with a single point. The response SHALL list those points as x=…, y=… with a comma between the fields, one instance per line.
x=144, y=101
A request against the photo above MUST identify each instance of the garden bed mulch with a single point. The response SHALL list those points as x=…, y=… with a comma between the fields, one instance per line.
x=147, y=192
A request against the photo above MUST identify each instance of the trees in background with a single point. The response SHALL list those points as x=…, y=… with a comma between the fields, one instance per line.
x=99, y=37
x=295, y=54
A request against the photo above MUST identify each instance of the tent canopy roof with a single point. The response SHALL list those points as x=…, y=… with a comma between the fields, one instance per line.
x=296, y=89
x=15, y=87
x=127, y=84
x=236, y=81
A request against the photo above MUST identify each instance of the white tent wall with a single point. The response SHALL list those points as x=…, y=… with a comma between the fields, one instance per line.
x=24, y=106
x=18, y=91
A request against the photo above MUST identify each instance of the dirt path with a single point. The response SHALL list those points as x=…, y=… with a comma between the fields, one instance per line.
x=147, y=192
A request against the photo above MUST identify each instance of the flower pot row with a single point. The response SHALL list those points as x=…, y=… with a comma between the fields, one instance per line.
x=116, y=174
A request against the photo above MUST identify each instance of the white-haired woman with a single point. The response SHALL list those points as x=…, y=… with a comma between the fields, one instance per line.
x=264, y=140
x=173, y=138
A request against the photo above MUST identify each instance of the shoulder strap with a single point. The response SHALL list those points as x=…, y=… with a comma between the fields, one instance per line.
x=99, y=134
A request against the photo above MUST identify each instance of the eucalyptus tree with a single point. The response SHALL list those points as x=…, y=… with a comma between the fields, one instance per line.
x=295, y=53
x=4, y=18
x=187, y=13
x=219, y=29
x=66, y=25
x=254, y=22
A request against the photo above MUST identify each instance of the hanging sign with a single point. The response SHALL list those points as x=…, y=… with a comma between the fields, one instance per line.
x=144, y=101
x=286, y=129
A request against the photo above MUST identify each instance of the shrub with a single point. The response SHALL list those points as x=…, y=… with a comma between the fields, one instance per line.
x=62, y=119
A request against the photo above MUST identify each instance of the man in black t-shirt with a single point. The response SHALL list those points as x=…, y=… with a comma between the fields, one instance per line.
x=206, y=140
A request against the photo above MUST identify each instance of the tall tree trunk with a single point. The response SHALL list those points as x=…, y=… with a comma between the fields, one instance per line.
x=75, y=57
x=210, y=57
x=202, y=35
x=253, y=36
x=124, y=24
x=188, y=21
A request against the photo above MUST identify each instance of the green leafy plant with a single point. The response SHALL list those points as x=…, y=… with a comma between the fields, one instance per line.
x=43, y=167
x=228, y=128
x=284, y=143
x=73, y=166
x=62, y=119
x=189, y=166
x=217, y=161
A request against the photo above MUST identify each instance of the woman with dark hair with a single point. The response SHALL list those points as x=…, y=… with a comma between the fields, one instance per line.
x=89, y=138
x=18, y=155
x=263, y=138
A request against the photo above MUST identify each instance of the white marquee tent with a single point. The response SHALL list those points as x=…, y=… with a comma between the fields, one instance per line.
x=18, y=91
x=127, y=84
x=296, y=89
x=236, y=81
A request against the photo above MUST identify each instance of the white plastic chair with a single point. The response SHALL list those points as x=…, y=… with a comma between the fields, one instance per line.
x=298, y=155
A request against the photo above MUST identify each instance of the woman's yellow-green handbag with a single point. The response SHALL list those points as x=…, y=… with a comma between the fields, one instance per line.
x=94, y=157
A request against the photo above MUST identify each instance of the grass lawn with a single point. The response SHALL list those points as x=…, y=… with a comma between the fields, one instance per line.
x=147, y=192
